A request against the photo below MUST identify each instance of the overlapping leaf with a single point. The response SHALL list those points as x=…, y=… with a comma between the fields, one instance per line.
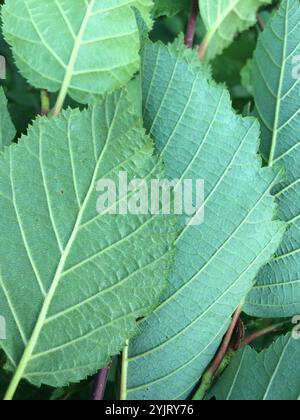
x=276, y=83
x=200, y=137
x=170, y=7
x=224, y=18
x=271, y=375
x=24, y=101
x=85, y=47
x=73, y=282
x=7, y=129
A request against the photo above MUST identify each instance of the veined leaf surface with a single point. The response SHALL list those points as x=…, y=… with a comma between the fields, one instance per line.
x=200, y=137
x=90, y=46
x=7, y=129
x=224, y=18
x=277, y=93
x=73, y=281
x=273, y=375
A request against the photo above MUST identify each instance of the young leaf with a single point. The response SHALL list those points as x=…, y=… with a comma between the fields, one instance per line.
x=85, y=48
x=73, y=281
x=7, y=129
x=271, y=375
x=223, y=19
x=277, y=92
x=200, y=137
x=170, y=7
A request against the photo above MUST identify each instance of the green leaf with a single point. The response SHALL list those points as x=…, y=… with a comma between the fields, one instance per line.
x=24, y=101
x=224, y=18
x=85, y=48
x=246, y=77
x=277, y=94
x=271, y=375
x=73, y=281
x=228, y=68
x=7, y=129
x=200, y=137
x=170, y=7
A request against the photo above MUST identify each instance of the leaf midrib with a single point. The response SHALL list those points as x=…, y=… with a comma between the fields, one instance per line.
x=49, y=296
x=210, y=34
x=73, y=58
x=280, y=87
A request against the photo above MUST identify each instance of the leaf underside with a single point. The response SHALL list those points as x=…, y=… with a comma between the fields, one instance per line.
x=273, y=375
x=100, y=48
x=73, y=281
x=277, y=93
x=199, y=136
x=224, y=18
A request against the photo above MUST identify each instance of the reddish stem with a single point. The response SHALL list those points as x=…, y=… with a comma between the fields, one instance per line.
x=226, y=342
x=192, y=24
x=202, y=49
x=100, y=384
x=223, y=356
x=238, y=336
x=261, y=333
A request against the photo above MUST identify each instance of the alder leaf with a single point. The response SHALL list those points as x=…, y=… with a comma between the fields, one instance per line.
x=83, y=47
x=7, y=129
x=224, y=18
x=277, y=93
x=271, y=375
x=199, y=136
x=73, y=281
x=170, y=7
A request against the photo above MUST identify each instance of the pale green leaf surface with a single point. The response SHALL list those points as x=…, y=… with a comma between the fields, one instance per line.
x=73, y=282
x=200, y=137
x=224, y=18
x=277, y=93
x=273, y=375
x=7, y=129
x=87, y=47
